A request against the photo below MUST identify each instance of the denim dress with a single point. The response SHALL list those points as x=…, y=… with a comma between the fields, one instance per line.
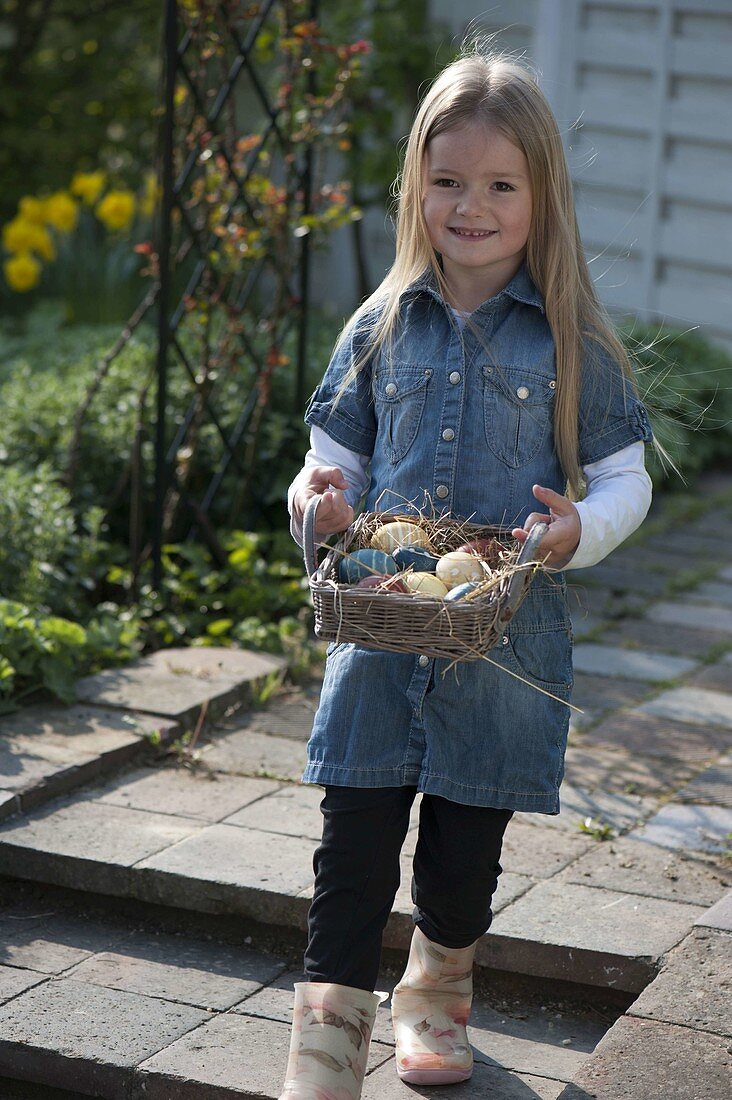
x=460, y=421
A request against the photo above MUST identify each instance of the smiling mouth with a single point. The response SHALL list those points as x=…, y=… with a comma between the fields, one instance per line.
x=472, y=234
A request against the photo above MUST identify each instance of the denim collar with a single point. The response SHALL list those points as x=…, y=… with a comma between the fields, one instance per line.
x=521, y=289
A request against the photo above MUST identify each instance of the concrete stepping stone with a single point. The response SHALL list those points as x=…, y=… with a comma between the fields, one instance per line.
x=177, y=682
x=714, y=592
x=292, y=811
x=635, y=867
x=9, y=803
x=289, y=715
x=85, y=1037
x=690, y=614
x=694, y=986
x=633, y=664
x=718, y=916
x=649, y=1060
x=228, y=868
x=46, y=939
x=726, y=573
x=586, y=935
x=243, y=752
x=583, y=625
x=614, y=769
x=14, y=981
x=47, y=750
x=694, y=705
x=716, y=677
x=686, y=641
x=542, y=856
x=243, y=1055
x=489, y=1082
x=178, y=791
x=177, y=968
x=598, y=694
x=621, y=579
x=712, y=786
x=690, y=828
x=639, y=732
x=621, y=811
x=85, y=845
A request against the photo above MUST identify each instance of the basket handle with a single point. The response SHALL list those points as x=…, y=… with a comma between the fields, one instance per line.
x=518, y=580
x=309, y=546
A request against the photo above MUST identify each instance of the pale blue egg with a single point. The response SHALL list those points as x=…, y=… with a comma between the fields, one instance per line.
x=364, y=563
x=420, y=560
x=462, y=590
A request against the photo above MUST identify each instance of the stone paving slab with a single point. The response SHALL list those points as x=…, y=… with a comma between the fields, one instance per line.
x=177, y=682
x=703, y=616
x=542, y=856
x=718, y=916
x=695, y=705
x=714, y=592
x=293, y=811
x=716, y=677
x=14, y=981
x=598, y=694
x=621, y=811
x=487, y=1083
x=617, y=578
x=685, y=641
x=637, y=731
x=169, y=967
x=288, y=715
x=227, y=868
x=9, y=803
x=584, y=624
x=86, y=1037
x=712, y=786
x=694, y=986
x=726, y=573
x=598, y=767
x=608, y=938
x=635, y=867
x=243, y=1055
x=86, y=845
x=648, y=1060
x=691, y=828
x=178, y=791
x=53, y=940
x=635, y=664
x=243, y=752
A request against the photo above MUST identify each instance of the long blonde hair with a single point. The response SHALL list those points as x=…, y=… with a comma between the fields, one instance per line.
x=498, y=91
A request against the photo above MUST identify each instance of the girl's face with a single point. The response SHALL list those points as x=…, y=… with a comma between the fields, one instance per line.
x=477, y=207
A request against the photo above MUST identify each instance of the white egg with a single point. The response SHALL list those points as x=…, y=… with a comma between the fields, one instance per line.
x=427, y=584
x=458, y=567
x=396, y=535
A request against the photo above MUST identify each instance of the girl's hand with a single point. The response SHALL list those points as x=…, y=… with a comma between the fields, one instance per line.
x=334, y=513
x=565, y=527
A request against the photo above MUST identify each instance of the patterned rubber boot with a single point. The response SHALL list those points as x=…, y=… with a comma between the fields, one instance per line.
x=329, y=1046
x=430, y=1007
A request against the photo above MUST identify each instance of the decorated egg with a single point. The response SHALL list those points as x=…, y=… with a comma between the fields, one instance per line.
x=427, y=584
x=364, y=563
x=420, y=559
x=383, y=583
x=391, y=536
x=457, y=567
x=482, y=548
x=461, y=591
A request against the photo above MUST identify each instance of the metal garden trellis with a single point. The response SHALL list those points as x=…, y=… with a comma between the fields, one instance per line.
x=198, y=242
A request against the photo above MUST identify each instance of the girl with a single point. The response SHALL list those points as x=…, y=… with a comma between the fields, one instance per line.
x=483, y=370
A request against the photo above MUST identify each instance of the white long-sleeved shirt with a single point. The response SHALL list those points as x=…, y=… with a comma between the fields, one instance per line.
x=617, y=501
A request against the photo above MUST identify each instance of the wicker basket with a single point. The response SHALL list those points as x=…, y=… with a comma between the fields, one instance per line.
x=409, y=623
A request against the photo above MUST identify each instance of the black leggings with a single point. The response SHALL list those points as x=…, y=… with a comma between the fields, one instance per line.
x=356, y=868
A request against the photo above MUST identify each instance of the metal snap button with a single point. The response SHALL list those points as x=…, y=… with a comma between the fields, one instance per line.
x=448, y=435
x=522, y=392
x=428, y=372
x=552, y=385
x=424, y=660
x=442, y=491
x=455, y=377
x=390, y=390
x=504, y=639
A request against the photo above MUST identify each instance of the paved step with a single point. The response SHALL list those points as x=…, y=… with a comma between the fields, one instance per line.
x=120, y=1008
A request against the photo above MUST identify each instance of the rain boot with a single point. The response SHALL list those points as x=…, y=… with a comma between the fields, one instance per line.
x=430, y=1006
x=331, y=1031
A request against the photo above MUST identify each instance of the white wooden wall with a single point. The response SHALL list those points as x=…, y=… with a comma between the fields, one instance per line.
x=642, y=90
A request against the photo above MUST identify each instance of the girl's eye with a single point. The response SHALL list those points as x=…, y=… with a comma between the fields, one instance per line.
x=501, y=185
x=446, y=183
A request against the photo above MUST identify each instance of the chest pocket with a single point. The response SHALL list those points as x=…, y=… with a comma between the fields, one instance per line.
x=517, y=409
x=400, y=398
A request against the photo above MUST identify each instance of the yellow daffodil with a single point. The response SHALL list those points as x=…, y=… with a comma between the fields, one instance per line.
x=88, y=186
x=22, y=272
x=20, y=235
x=62, y=211
x=31, y=209
x=117, y=209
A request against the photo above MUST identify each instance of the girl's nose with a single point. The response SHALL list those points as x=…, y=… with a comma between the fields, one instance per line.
x=470, y=204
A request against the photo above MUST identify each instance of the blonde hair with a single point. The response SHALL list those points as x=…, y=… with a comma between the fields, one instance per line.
x=500, y=92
